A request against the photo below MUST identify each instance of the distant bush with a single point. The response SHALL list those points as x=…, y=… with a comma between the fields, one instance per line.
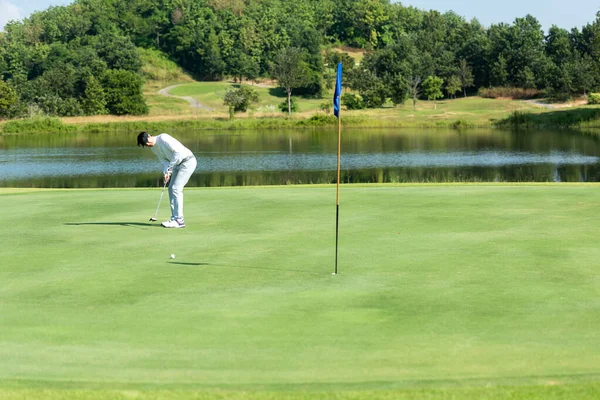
x=37, y=125
x=326, y=107
x=283, y=106
x=461, y=124
x=520, y=119
x=509, y=93
x=320, y=119
x=594, y=98
x=353, y=101
x=123, y=93
x=239, y=98
x=8, y=100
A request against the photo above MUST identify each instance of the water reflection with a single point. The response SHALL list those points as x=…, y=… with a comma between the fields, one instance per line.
x=289, y=157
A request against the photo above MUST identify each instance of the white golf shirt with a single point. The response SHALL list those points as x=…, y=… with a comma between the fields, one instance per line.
x=170, y=151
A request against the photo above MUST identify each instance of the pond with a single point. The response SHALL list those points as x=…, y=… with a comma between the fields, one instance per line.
x=236, y=158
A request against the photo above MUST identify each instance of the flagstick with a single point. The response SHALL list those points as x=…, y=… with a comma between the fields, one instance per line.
x=337, y=197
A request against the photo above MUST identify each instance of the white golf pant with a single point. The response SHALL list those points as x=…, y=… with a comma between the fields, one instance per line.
x=179, y=178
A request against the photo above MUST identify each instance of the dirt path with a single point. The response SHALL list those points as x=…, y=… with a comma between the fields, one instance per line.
x=193, y=102
x=541, y=103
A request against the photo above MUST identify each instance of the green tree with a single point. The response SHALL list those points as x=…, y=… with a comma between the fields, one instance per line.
x=352, y=101
x=333, y=58
x=239, y=99
x=123, y=91
x=399, y=90
x=581, y=68
x=8, y=100
x=94, y=100
x=465, y=74
x=432, y=87
x=370, y=87
x=558, y=45
x=453, y=86
x=499, y=72
x=118, y=52
x=212, y=64
x=527, y=52
x=290, y=71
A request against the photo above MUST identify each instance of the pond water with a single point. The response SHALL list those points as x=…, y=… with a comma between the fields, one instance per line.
x=305, y=156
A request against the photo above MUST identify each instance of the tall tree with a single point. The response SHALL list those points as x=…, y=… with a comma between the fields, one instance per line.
x=94, y=100
x=124, y=92
x=414, y=89
x=465, y=75
x=8, y=100
x=290, y=71
x=432, y=87
x=453, y=86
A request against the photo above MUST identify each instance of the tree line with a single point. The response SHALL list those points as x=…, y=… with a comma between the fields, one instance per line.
x=82, y=59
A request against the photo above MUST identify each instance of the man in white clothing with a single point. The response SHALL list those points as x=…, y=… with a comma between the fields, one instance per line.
x=179, y=165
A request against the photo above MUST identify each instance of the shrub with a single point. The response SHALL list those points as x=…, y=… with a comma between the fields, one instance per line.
x=353, y=101
x=239, y=99
x=519, y=118
x=8, y=100
x=461, y=123
x=594, y=98
x=509, y=92
x=283, y=106
x=320, y=120
x=123, y=92
x=52, y=104
x=35, y=125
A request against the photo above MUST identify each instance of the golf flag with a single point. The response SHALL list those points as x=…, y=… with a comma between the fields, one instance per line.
x=336, y=112
x=338, y=91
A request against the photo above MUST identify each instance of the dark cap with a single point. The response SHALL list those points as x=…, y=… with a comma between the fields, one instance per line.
x=142, y=139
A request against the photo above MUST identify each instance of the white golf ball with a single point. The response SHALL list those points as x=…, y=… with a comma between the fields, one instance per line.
x=172, y=255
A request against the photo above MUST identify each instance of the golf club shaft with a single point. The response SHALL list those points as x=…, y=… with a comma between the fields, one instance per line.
x=159, y=201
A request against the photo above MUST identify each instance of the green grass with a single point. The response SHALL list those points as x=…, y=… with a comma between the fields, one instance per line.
x=172, y=114
x=41, y=124
x=445, y=291
x=580, y=117
x=210, y=94
x=542, y=392
x=162, y=105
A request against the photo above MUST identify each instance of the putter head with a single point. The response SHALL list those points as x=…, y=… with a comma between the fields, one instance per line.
x=152, y=219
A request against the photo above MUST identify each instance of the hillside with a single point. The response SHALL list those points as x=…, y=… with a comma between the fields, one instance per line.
x=83, y=58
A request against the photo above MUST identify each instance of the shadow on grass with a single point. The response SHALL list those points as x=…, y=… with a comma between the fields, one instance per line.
x=278, y=92
x=198, y=264
x=129, y=224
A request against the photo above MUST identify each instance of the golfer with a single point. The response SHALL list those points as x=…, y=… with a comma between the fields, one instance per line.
x=179, y=165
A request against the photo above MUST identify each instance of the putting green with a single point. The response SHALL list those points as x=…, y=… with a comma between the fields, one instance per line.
x=440, y=285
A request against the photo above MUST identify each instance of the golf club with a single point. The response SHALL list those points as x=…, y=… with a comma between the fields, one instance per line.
x=153, y=219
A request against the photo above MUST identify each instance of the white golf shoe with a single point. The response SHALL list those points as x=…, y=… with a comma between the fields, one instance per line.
x=174, y=223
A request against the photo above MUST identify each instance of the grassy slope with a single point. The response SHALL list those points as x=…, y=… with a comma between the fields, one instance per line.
x=161, y=72
x=210, y=94
x=441, y=286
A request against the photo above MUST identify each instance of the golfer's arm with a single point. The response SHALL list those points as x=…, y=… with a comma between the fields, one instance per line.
x=176, y=157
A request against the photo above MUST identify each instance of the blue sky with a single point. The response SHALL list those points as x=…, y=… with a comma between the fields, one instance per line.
x=565, y=14
x=18, y=9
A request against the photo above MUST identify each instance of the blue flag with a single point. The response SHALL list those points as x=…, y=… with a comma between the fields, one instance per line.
x=338, y=91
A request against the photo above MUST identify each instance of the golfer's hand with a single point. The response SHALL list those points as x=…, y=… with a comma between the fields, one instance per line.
x=167, y=177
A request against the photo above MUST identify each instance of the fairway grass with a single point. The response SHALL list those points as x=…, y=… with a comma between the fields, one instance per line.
x=445, y=292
